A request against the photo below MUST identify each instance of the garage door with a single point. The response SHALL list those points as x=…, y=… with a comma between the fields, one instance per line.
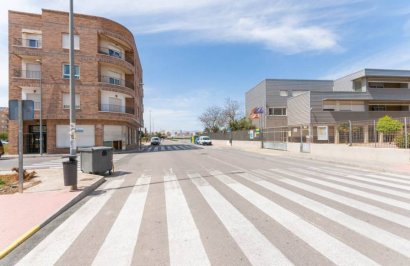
x=112, y=132
x=84, y=139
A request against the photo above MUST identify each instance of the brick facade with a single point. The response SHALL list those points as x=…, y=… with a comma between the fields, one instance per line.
x=91, y=31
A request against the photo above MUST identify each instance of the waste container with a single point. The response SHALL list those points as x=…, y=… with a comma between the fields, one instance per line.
x=96, y=160
x=70, y=172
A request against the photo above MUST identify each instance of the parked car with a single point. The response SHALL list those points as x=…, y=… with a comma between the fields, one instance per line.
x=1, y=148
x=155, y=141
x=204, y=140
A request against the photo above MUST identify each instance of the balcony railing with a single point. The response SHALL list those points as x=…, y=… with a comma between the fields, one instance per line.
x=117, y=108
x=27, y=74
x=117, y=81
x=116, y=53
x=31, y=43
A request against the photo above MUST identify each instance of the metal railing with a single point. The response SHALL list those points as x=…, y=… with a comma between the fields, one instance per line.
x=27, y=74
x=117, y=81
x=110, y=52
x=116, y=53
x=31, y=43
x=116, y=108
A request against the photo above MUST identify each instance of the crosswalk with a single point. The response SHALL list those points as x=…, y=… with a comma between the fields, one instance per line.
x=170, y=147
x=58, y=163
x=274, y=216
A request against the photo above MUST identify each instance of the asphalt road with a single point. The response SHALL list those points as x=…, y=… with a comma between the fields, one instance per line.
x=182, y=204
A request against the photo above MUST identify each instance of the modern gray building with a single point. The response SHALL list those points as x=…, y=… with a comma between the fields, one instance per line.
x=364, y=95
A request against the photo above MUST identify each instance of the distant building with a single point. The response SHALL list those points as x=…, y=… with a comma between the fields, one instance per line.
x=364, y=95
x=4, y=119
x=108, y=71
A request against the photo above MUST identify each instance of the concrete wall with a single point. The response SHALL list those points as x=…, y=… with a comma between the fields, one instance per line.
x=341, y=153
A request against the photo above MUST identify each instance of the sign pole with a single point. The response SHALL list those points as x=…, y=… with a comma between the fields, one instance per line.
x=73, y=145
x=20, y=143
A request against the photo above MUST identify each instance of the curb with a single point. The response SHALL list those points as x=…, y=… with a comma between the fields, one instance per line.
x=35, y=229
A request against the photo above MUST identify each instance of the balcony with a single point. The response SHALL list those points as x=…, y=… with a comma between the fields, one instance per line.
x=27, y=74
x=117, y=82
x=30, y=43
x=117, y=108
x=115, y=53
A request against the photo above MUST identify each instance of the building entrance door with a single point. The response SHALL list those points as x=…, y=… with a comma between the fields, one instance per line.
x=32, y=139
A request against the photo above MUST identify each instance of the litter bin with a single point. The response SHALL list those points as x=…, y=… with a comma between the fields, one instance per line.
x=70, y=172
x=96, y=160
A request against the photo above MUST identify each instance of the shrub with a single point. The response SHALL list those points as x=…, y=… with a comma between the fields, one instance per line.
x=388, y=125
x=400, y=141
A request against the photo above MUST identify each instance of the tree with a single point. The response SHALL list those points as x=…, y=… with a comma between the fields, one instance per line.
x=230, y=111
x=212, y=119
x=242, y=124
x=388, y=125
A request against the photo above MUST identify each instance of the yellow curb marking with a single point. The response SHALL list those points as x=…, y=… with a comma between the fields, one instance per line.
x=20, y=240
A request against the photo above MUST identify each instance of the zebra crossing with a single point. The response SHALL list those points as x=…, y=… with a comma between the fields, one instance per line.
x=168, y=147
x=336, y=216
x=58, y=163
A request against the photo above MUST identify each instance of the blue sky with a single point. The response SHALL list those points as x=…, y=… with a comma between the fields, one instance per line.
x=197, y=53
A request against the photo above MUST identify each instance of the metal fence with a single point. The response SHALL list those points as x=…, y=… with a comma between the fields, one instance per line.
x=248, y=135
x=353, y=133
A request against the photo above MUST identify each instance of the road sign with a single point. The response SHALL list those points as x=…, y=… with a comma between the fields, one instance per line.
x=28, y=110
x=79, y=130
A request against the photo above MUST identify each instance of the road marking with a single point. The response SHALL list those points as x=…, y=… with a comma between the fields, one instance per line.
x=118, y=246
x=328, y=246
x=373, y=210
x=401, y=180
x=372, y=196
x=359, y=184
x=185, y=245
x=368, y=230
x=253, y=243
x=368, y=178
x=48, y=251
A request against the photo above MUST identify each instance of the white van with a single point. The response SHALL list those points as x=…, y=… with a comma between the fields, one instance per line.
x=204, y=140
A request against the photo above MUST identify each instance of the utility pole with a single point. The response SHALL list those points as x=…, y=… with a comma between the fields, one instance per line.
x=73, y=146
x=150, y=132
x=41, y=106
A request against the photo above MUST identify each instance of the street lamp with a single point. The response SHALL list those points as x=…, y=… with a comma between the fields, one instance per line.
x=41, y=106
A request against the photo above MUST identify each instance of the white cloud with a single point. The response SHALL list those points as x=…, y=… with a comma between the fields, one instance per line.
x=392, y=58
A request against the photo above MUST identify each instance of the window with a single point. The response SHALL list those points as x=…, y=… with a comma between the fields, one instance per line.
x=66, y=41
x=330, y=105
x=283, y=93
x=67, y=101
x=33, y=43
x=277, y=111
x=35, y=97
x=377, y=108
x=114, y=53
x=297, y=93
x=66, y=71
x=114, y=81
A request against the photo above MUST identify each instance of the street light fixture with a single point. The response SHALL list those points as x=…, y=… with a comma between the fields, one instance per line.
x=41, y=106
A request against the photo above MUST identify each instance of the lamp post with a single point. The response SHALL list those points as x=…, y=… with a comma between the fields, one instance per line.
x=41, y=106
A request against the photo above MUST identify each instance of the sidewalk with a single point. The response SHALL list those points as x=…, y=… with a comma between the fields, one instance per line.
x=26, y=213
x=399, y=168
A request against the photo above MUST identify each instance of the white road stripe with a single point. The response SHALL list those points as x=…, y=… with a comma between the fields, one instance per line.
x=353, y=191
x=48, y=251
x=355, y=183
x=364, y=207
x=388, y=181
x=185, y=245
x=253, y=243
x=118, y=246
x=328, y=246
x=389, y=178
